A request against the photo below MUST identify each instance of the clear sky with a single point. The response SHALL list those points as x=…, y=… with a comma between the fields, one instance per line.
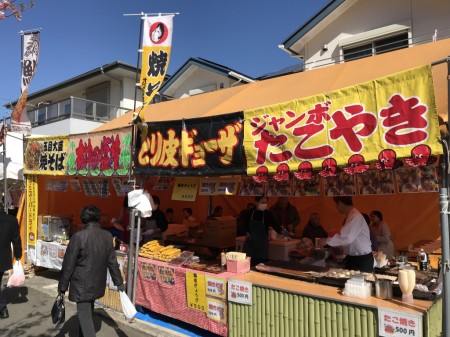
x=81, y=35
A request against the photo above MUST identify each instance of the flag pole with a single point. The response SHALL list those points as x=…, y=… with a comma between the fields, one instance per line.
x=151, y=14
x=132, y=265
x=134, y=128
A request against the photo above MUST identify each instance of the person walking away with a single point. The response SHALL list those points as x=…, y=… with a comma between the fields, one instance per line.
x=89, y=255
x=9, y=234
x=354, y=237
x=257, y=223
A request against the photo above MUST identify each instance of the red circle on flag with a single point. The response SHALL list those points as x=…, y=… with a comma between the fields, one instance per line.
x=158, y=32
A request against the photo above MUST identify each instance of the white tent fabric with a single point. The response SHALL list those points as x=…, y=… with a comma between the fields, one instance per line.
x=13, y=158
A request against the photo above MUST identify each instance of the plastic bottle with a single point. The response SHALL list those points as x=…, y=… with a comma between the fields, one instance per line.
x=223, y=259
x=422, y=258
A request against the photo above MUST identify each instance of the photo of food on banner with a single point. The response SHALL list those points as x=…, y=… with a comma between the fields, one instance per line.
x=250, y=188
x=341, y=184
x=376, y=182
x=416, y=179
x=281, y=188
x=306, y=187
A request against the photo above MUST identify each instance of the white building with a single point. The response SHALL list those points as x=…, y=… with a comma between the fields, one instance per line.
x=349, y=29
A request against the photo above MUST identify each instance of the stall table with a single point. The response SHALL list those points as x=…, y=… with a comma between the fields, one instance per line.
x=162, y=288
x=287, y=307
x=48, y=254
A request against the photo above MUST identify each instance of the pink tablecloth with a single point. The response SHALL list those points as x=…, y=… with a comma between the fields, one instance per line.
x=167, y=295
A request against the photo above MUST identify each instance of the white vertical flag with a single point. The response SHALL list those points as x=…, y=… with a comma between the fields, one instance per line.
x=20, y=122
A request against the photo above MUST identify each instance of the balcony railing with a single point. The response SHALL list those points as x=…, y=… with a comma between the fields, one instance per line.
x=74, y=108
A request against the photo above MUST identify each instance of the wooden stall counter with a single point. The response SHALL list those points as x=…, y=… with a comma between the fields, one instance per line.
x=286, y=307
x=327, y=292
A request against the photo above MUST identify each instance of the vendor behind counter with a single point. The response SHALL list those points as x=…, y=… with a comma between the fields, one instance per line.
x=257, y=223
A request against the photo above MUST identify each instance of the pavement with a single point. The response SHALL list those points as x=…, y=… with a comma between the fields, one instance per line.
x=29, y=314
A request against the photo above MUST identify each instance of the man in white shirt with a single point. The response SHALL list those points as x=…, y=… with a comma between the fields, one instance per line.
x=354, y=237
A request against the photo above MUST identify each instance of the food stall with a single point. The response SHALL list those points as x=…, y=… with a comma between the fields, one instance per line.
x=206, y=154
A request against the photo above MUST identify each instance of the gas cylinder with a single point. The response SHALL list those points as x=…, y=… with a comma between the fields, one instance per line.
x=422, y=259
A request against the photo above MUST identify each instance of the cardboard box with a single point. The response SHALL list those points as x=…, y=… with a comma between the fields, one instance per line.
x=220, y=223
x=219, y=232
x=239, y=267
x=279, y=249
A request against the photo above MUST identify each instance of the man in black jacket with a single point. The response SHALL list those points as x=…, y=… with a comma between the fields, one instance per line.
x=9, y=233
x=89, y=254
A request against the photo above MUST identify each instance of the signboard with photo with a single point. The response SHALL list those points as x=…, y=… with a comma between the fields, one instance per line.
x=306, y=187
x=277, y=188
x=162, y=184
x=416, y=179
x=75, y=185
x=376, y=182
x=250, y=188
x=341, y=184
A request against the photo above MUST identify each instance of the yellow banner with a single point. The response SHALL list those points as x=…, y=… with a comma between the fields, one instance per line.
x=395, y=112
x=185, y=189
x=196, y=291
x=45, y=155
x=155, y=61
x=32, y=209
x=156, y=45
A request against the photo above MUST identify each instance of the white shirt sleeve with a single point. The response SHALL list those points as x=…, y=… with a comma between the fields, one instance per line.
x=354, y=236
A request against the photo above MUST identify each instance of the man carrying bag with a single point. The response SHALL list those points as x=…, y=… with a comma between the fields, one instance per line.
x=88, y=256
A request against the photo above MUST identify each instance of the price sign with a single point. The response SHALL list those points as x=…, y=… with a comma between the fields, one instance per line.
x=399, y=324
x=216, y=286
x=240, y=292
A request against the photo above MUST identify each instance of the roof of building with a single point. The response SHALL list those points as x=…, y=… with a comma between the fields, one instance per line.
x=205, y=64
x=311, y=23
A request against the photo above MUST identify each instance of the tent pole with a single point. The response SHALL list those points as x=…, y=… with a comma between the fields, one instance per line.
x=5, y=178
x=444, y=200
x=130, y=253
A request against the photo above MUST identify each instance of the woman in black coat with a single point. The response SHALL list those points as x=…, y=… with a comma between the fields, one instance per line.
x=89, y=254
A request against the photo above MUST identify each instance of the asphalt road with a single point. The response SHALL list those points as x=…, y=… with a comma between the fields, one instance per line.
x=29, y=314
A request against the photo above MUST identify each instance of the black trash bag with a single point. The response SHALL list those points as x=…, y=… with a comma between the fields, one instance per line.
x=59, y=310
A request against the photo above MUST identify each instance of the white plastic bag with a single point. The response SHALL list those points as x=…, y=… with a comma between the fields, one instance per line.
x=17, y=278
x=127, y=307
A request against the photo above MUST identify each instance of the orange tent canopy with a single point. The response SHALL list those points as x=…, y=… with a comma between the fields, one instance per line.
x=303, y=84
